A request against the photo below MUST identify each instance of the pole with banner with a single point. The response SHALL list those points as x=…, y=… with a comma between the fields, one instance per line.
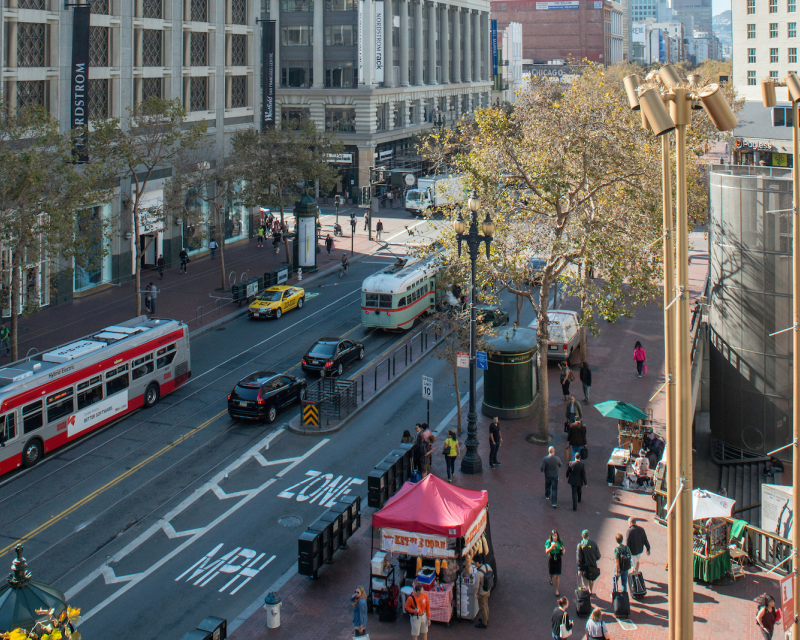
x=80, y=79
x=427, y=394
x=267, y=74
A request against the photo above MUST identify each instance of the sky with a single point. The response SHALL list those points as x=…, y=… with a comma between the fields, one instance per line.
x=719, y=6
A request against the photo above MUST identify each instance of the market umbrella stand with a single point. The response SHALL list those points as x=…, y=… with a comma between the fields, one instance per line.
x=620, y=410
x=712, y=558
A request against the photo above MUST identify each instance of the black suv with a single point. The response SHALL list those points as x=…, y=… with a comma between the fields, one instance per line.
x=330, y=356
x=261, y=394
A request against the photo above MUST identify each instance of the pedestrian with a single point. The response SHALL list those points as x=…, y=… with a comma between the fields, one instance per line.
x=576, y=439
x=407, y=437
x=576, y=476
x=587, y=556
x=378, y=229
x=484, y=581
x=261, y=236
x=366, y=220
x=566, y=376
x=276, y=240
x=595, y=627
x=184, y=258
x=153, y=295
x=574, y=410
x=767, y=616
x=359, y=600
x=390, y=198
x=586, y=380
x=641, y=468
x=328, y=243
x=640, y=357
x=560, y=619
x=160, y=266
x=554, y=547
x=772, y=466
x=148, y=300
x=636, y=541
x=213, y=246
x=5, y=336
x=427, y=454
x=495, y=440
x=451, y=452
x=419, y=608
x=549, y=467
x=622, y=562
x=417, y=449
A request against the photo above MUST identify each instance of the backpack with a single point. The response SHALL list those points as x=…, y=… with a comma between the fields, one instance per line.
x=488, y=577
x=624, y=555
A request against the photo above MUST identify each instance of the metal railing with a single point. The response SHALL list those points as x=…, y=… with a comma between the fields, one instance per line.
x=216, y=307
x=335, y=397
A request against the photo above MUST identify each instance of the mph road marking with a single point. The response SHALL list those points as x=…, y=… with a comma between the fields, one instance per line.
x=163, y=525
x=332, y=488
x=206, y=568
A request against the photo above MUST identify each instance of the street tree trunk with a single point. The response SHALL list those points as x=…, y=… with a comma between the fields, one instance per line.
x=137, y=262
x=454, y=362
x=15, y=296
x=283, y=234
x=542, y=339
x=221, y=244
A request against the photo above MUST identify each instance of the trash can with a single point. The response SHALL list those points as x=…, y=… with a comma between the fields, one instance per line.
x=272, y=603
x=217, y=627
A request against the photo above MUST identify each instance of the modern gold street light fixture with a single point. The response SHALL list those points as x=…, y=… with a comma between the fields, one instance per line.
x=653, y=95
x=792, y=83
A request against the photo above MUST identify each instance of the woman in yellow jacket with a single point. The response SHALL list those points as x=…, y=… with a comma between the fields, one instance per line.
x=451, y=452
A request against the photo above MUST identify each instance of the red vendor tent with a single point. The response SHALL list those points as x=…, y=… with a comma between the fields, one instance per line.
x=432, y=506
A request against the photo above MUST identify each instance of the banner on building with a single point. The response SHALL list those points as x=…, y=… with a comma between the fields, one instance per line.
x=561, y=4
x=80, y=79
x=360, y=42
x=268, y=75
x=380, y=37
x=494, y=48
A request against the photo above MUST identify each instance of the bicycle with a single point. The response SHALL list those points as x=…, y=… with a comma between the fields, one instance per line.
x=342, y=271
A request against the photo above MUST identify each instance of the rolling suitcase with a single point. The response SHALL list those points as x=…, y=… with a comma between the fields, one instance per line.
x=583, y=602
x=620, y=601
x=637, y=586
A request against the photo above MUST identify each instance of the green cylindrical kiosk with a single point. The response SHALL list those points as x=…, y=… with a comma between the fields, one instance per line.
x=510, y=382
x=306, y=212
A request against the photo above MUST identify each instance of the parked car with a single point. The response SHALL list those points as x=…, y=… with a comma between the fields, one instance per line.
x=275, y=301
x=332, y=355
x=564, y=334
x=262, y=394
x=487, y=314
x=534, y=269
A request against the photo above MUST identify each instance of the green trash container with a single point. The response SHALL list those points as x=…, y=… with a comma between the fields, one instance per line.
x=510, y=382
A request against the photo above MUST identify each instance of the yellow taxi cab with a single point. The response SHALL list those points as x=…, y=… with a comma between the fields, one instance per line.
x=275, y=301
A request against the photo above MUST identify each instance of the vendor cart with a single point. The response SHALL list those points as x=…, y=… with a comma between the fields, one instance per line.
x=712, y=557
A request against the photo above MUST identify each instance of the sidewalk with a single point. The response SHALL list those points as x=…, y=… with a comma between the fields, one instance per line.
x=523, y=600
x=195, y=297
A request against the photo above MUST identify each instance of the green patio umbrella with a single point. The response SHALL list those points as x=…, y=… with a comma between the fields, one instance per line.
x=620, y=410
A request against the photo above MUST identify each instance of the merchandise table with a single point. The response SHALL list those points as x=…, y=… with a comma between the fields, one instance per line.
x=710, y=568
x=441, y=602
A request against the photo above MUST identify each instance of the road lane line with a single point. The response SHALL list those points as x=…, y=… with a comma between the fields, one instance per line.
x=97, y=492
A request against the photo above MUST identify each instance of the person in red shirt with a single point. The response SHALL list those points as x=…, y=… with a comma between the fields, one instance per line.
x=419, y=607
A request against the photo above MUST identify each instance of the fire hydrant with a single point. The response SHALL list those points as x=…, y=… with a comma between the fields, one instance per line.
x=272, y=603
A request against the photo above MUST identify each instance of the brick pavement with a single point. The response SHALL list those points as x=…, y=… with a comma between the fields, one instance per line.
x=181, y=295
x=521, y=520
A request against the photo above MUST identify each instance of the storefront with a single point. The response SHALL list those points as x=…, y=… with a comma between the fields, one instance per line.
x=772, y=153
x=347, y=167
x=92, y=264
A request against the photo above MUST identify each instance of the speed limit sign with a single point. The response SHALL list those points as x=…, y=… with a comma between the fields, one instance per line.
x=427, y=388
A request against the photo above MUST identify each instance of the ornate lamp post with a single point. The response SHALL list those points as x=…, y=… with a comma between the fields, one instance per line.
x=471, y=462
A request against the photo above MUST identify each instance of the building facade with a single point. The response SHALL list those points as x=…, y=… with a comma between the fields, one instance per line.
x=202, y=52
x=700, y=10
x=614, y=32
x=509, y=82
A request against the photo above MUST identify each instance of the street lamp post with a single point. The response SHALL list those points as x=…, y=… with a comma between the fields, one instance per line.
x=792, y=82
x=471, y=462
x=660, y=88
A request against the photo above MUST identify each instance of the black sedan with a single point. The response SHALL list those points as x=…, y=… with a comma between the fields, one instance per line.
x=329, y=356
x=260, y=395
x=487, y=314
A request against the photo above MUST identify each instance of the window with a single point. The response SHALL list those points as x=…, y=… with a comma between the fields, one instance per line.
x=302, y=76
x=151, y=47
x=98, y=46
x=60, y=404
x=142, y=366
x=792, y=55
x=297, y=36
x=31, y=93
x=751, y=31
x=31, y=44
x=117, y=380
x=344, y=34
x=165, y=356
x=32, y=4
x=152, y=9
x=198, y=94
x=773, y=29
x=343, y=77
x=751, y=56
x=152, y=87
x=773, y=56
x=751, y=78
x=791, y=6
x=290, y=6
x=238, y=50
x=299, y=116
x=341, y=5
x=238, y=92
x=751, y=7
x=792, y=29
x=239, y=11
x=32, y=416
x=98, y=99
x=385, y=301
x=199, y=10
x=401, y=302
x=773, y=75
x=773, y=6
x=90, y=392
x=198, y=49
x=8, y=428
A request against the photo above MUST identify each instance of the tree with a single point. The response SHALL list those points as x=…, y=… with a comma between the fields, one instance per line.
x=50, y=628
x=152, y=137
x=279, y=164
x=43, y=198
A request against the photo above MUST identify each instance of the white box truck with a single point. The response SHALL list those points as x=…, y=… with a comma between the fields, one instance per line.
x=434, y=192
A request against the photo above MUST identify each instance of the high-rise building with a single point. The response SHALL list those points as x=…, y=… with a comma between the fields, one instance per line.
x=627, y=34
x=699, y=9
x=614, y=32
x=658, y=10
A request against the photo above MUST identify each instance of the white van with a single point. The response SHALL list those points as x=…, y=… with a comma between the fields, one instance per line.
x=564, y=335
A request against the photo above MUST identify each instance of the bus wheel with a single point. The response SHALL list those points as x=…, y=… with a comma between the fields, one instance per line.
x=32, y=453
x=151, y=395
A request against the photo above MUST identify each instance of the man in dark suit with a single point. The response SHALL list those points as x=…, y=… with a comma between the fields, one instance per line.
x=576, y=476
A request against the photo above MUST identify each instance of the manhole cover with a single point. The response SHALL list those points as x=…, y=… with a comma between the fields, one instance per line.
x=290, y=521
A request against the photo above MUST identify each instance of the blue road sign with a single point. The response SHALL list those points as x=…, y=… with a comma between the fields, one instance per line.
x=480, y=357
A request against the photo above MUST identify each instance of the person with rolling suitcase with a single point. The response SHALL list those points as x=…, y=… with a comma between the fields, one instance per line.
x=620, y=601
x=622, y=563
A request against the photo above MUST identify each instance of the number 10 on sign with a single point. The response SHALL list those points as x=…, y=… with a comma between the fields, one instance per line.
x=427, y=393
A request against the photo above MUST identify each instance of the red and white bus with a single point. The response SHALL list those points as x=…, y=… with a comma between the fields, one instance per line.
x=52, y=398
